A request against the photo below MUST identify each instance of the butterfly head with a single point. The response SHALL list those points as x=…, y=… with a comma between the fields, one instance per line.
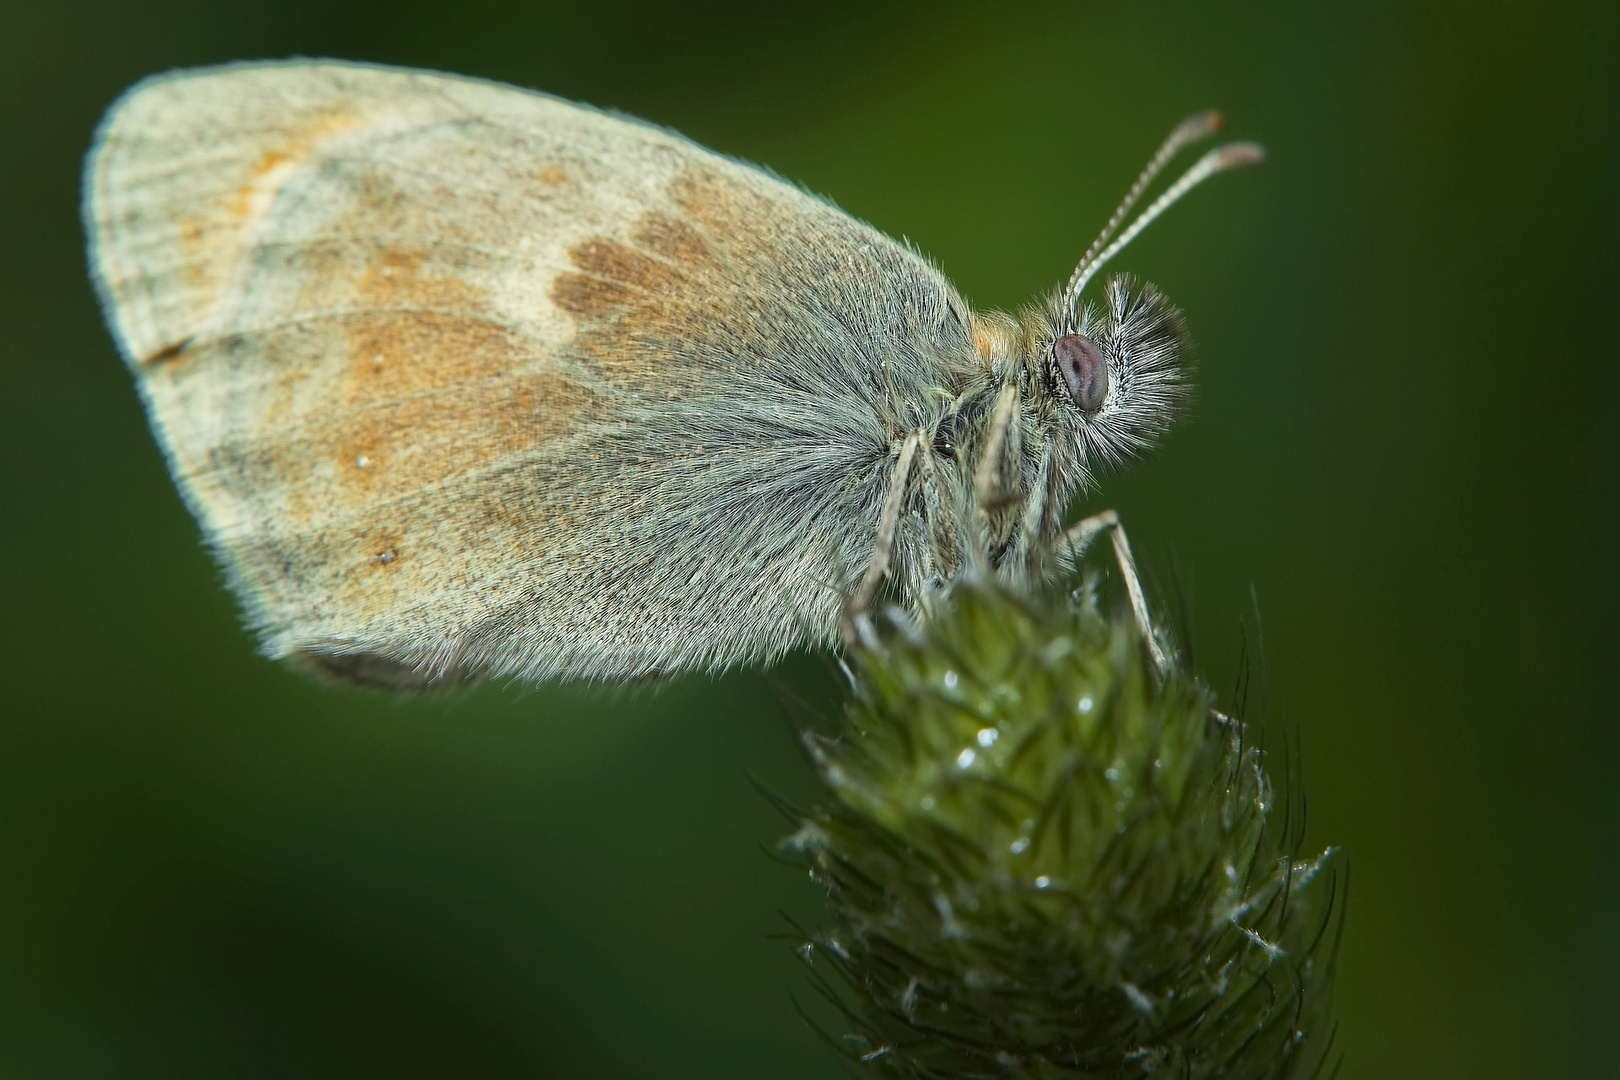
x=1115, y=370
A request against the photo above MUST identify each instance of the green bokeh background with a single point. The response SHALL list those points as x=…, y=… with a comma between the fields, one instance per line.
x=1405, y=447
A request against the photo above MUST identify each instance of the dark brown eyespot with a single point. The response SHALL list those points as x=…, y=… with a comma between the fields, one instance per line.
x=1084, y=370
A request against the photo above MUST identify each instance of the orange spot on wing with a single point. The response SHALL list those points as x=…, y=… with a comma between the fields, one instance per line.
x=267, y=175
x=395, y=280
x=641, y=302
x=434, y=396
x=193, y=240
x=268, y=162
x=672, y=239
x=721, y=205
x=614, y=278
x=436, y=386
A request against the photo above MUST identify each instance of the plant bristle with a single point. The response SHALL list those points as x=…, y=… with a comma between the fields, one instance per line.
x=1043, y=860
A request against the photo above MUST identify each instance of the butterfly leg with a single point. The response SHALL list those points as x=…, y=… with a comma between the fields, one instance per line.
x=938, y=555
x=1078, y=537
x=1001, y=442
x=877, y=567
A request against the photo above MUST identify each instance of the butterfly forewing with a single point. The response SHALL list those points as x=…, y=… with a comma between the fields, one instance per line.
x=463, y=378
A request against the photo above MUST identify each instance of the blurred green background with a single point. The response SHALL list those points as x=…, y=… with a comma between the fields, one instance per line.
x=1405, y=446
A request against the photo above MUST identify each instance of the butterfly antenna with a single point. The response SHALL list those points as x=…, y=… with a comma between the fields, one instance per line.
x=1190, y=130
x=1195, y=128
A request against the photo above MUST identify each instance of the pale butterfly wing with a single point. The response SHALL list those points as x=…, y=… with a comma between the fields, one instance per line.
x=460, y=378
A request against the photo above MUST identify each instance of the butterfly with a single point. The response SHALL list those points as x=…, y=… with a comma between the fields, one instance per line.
x=464, y=380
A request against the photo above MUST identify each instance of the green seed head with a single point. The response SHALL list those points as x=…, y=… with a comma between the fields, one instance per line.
x=1044, y=860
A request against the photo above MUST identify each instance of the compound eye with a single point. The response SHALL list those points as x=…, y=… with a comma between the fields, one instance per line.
x=1084, y=370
